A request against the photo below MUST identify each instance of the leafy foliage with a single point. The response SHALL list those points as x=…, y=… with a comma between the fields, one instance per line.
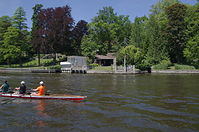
x=15, y=44
x=37, y=41
x=176, y=32
x=157, y=49
x=183, y=67
x=191, y=51
x=139, y=36
x=107, y=32
x=133, y=55
x=88, y=47
x=10, y=48
x=19, y=19
x=164, y=64
x=54, y=30
x=5, y=22
x=78, y=33
x=169, y=33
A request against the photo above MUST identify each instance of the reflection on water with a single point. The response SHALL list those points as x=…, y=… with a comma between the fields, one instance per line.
x=40, y=108
x=122, y=103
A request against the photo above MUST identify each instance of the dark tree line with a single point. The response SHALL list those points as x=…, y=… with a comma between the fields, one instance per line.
x=170, y=34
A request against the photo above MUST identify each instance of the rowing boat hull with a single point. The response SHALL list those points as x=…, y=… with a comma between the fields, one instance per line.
x=51, y=97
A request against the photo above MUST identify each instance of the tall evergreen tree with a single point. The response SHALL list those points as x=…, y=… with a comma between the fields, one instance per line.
x=157, y=43
x=176, y=32
x=36, y=38
x=5, y=22
x=19, y=19
x=156, y=32
x=19, y=22
x=138, y=34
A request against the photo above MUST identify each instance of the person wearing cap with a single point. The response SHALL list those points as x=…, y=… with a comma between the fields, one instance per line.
x=22, y=88
x=40, y=89
x=5, y=87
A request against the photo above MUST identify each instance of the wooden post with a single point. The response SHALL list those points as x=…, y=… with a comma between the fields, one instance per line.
x=115, y=65
x=133, y=68
x=125, y=63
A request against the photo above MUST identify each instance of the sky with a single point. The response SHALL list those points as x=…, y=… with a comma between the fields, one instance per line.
x=83, y=9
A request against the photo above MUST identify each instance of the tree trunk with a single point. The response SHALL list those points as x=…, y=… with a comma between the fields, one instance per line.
x=8, y=62
x=20, y=63
x=38, y=54
x=54, y=57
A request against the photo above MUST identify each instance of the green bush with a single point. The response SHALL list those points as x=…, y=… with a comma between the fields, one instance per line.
x=184, y=67
x=144, y=65
x=93, y=65
x=30, y=64
x=164, y=64
x=55, y=67
x=103, y=68
x=43, y=62
x=48, y=62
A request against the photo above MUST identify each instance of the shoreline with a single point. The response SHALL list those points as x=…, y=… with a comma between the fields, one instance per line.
x=32, y=70
x=176, y=71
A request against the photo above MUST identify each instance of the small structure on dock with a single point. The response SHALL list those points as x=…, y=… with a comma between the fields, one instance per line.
x=78, y=64
x=66, y=66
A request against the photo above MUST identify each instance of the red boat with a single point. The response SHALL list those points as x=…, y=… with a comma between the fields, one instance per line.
x=52, y=97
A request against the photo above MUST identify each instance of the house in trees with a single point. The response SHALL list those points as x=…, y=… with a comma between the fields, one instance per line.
x=105, y=60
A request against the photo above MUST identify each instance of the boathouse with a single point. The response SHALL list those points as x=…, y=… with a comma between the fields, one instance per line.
x=78, y=64
x=105, y=60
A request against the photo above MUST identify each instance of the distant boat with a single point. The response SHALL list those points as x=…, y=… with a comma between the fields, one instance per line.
x=49, y=97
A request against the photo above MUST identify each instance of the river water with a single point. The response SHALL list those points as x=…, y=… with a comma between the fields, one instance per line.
x=120, y=103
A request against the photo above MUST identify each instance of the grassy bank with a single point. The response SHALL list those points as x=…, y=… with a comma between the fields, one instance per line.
x=44, y=64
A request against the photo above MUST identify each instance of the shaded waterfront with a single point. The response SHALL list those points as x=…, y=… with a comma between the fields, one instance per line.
x=122, y=103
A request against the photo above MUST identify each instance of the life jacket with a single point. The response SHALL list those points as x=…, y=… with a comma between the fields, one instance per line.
x=41, y=90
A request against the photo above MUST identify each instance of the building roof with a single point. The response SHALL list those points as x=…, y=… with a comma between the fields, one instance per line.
x=109, y=56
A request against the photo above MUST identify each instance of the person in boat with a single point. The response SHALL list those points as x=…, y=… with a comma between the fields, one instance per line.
x=22, y=88
x=5, y=87
x=40, y=89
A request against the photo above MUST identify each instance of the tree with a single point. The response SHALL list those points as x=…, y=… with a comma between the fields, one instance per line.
x=19, y=22
x=55, y=27
x=156, y=36
x=5, y=22
x=19, y=19
x=191, y=51
x=160, y=7
x=11, y=45
x=176, y=34
x=79, y=31
x=36, y=35
x=157, y=41
x=138, y=33
x=88, y=47
x=133, y=55
x=108, y=31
